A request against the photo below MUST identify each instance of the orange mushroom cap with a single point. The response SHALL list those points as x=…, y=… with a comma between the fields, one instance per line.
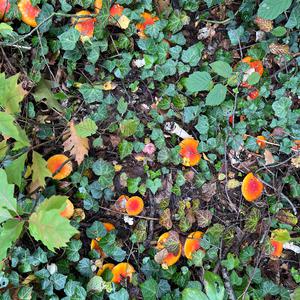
x=192, y=244
x=252, y=187
x=84, y=25
x=189, y=152
x=55, y=162
x=98, y=5
x=68, y=212
x=170, y=259
x=122, y=271
x=4, y=8
x=255, y=64
x=28, y=12
x=260, y=141
x=134, y=206
x=253, y=94
x=278, y=247
x=148, y=20
x=105, y=267
x=116, y=10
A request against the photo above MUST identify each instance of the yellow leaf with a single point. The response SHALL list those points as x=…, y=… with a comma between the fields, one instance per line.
x=118, y=168
x=233, y=183
x=123, y=22
x=108, y=86
x=76, y=145
x=296, y=162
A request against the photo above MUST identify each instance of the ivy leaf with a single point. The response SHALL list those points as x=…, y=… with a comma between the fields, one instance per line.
x=91, y=94
x=128, y=127
x=39, y=171
x=105, y=171
x=222, y=68
x=69, y=39
x=86, y=128
x=7, y=200
x=76, y=145
x=125, y=149
x=193, y=54
x=9, y=233
x=49, y=227
x=214, y=286
x=192, y=294
x=15, y=169
x=197, y=82
x=11, y=94
x=43, y=91
x=122, y=294
x=154, y=185
x=217, y=95
x=270, y=10
x=149, y=289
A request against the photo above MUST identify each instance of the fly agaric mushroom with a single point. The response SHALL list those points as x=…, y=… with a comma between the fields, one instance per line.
x=252, y=187
x=278, y=247
x=148, y=20
x=254, y=64
x=55, y=162
x=134, y=206
x=122, y=271
x=253, y=94
x=116, y=10
x=192, y=244
x=169, y=258
x=105, y=267
x=85, y=26
x=28, y=12
x=4, y=8
x=98, y=5
x=260, y=141
x=68, y=212
x=189, y=152
x=94, y=243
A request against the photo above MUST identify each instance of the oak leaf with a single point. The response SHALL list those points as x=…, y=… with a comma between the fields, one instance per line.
x=76, y=145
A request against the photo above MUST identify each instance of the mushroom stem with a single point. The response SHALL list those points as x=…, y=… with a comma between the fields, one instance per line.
x=174, y=128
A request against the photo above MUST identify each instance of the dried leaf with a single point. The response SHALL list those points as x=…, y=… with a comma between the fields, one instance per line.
x=232, y=184
x=165, y=219
x=161, y=255
x=285, y=216
x=76, y=145
x=269, y=157
x=208, y=190
x=296, y=162
x=172, y=242
x=123, y=22
x=203, y=217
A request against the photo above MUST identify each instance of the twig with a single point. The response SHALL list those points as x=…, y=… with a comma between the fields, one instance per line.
x=227, y=284
x=151, y=225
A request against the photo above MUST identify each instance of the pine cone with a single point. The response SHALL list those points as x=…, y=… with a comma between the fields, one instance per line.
x=263, y=24
x=279, y=49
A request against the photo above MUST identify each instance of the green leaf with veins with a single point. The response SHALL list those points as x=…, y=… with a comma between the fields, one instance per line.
x=7, y=200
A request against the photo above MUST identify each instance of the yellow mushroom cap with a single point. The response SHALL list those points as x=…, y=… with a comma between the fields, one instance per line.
x=122, y=271
x=192, y=244
x=28, y=12
x=68, y=212
x=252, y=187
x=134, y=206
x=55, y=162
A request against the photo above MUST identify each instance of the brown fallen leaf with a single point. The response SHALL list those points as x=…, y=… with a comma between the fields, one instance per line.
x=203, y=217
x=165, y=219
x=76, y=145
x=161, y=255
x=269, y=157
x=208, y=190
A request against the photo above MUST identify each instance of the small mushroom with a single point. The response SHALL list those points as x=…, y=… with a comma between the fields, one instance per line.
x=192, y=244
x=134, y=206
x=116, y=10
x=68, y=212
x=189, y=152
x=4, y=8
x=85, y=26
x=98, y=5
x=122, y=271
x=252, y=187
x=254, y=64
x=253, y=94
x=148, y=20
x=260, y=141
x=105, y=267
x=55, y=162
x=278, y=247
x=168, y=258
x=28, y=12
